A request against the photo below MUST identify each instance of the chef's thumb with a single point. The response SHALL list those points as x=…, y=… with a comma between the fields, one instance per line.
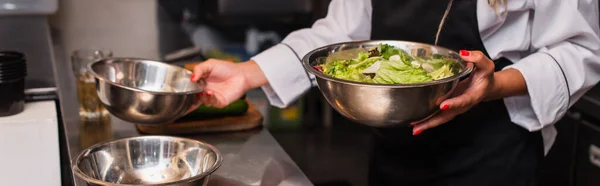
x=461, y=101
x=202, y=70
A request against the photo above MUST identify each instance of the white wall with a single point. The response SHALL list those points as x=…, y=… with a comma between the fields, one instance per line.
x=127, y=27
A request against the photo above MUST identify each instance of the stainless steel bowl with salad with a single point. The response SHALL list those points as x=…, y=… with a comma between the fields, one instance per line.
x=385, y=83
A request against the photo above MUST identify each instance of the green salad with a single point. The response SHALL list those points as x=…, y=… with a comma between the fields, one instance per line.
x=386, y=64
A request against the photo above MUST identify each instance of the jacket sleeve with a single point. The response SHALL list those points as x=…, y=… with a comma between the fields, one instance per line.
x=346, y=20
x=564, y=65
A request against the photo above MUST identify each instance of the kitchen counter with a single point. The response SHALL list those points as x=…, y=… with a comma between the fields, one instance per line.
x=589, y=104
x=250, y=157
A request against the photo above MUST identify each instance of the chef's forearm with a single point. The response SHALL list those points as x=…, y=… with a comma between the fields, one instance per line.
x=507, y=83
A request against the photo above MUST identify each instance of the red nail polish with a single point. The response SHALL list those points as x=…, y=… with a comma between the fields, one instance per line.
x=464, y=53
x=200, y=94
x=192, y=77
x=417, y=132
x=208, y=94
x=445, y=107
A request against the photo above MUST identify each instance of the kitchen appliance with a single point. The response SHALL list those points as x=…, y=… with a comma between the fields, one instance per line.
x=382, y=105
x=587, y=159
x=30, y=146
x=148, y=160
x=26, y=29
x=143, y=91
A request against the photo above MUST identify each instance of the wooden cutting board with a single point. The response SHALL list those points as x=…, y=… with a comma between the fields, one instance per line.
x=252, y=119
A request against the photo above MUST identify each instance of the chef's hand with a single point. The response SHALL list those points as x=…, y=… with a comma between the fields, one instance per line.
x=468, y=93
x=226, y=81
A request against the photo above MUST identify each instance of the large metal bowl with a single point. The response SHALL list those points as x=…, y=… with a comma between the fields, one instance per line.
x=148, y=160
x=381, y=105
x=144, y=91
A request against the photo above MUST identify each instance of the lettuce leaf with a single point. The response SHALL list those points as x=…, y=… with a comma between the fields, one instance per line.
x=387, y=51
x=402, y=71
x=441, y=73
x=365, y=63
x=339, y=69
x=394, y=72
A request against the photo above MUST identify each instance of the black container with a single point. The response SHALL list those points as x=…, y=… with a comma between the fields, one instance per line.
x=14, y=66
x=16, y=69
x=12, y=97
x=12, y=75
x=21, y=70
x=8, y=58
x=12, y=83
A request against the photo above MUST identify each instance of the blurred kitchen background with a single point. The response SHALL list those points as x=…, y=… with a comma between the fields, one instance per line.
x=329, y=150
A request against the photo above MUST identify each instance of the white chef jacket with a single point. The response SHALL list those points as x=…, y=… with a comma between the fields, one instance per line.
x=553, y=43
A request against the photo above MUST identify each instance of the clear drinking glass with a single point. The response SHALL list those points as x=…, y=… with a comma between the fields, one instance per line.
x=90, y=107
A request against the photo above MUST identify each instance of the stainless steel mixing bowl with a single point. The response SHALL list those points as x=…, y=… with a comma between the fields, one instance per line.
x=381, y=105
x=148, y=160
x=144, y=91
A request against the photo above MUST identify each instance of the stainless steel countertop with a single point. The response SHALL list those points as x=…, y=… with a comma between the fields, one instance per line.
x=250, y=157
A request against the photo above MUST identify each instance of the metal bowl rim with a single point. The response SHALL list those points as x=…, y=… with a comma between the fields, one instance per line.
x=98, y=77
x=80, y=174
x=307, y=66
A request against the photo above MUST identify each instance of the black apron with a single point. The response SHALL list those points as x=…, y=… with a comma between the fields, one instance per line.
x=481, y=147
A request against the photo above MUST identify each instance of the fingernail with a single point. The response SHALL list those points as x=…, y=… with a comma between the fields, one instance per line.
x=200, y=94
x=417, y=132
x=464, y=53
x=445, y=107
x=208, y=94
x=192, y=77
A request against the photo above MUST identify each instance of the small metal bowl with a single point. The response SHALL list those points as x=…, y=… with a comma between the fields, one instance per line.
x=382, y=105
x=148, y=160
x=143, y=91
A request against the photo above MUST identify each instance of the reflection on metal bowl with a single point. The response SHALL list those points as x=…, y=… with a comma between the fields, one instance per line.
x=143, y=91
x=148, y=160
x=382, y=105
